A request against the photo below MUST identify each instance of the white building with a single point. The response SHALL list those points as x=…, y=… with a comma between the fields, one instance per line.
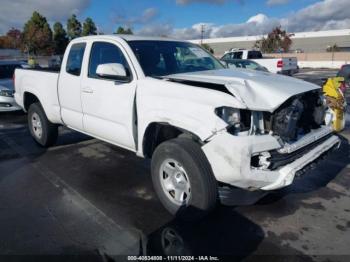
x=311, y=42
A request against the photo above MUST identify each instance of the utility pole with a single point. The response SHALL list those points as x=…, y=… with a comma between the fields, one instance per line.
x=202, y=33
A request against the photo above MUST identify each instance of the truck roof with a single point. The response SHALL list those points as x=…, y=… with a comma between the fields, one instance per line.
x=127, y=38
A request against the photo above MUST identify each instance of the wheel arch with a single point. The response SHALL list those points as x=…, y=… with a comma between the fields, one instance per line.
x=159, y=132
x=28, y=99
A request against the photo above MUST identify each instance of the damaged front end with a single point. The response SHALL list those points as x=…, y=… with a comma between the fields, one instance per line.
x=277, y=129
x=276, y=146
x=299, y=124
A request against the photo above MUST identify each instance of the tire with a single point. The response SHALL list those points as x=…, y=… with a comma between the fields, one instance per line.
x=193, y=169
x=37, y=121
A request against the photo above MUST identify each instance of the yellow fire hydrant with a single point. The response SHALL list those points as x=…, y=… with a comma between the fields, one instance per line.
x=336, y=101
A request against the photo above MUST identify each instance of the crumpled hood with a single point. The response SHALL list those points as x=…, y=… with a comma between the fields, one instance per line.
x=6, y=84
x=257, y=90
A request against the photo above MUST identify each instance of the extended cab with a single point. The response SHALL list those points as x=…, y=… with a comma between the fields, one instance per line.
x=207, y=129
x=286, y=65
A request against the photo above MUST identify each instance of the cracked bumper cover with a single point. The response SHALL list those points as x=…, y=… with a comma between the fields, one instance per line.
x=230, y=159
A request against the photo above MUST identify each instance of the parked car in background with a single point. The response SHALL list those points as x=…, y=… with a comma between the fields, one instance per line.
x=298, y=51
x=207, y=129
x=246, y=64
x=286, y=66
x=345, y=72
x=7, y=69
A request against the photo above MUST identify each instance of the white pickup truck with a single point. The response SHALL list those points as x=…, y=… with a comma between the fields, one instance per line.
x=286, y=65
x=207, y=129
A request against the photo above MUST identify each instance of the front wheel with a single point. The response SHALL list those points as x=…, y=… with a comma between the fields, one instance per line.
x=183, y=179
x=42, y=130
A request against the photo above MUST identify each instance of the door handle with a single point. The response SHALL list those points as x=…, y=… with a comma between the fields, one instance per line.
x=87, y=90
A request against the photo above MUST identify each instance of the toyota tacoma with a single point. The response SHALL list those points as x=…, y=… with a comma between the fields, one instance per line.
x=207, y=129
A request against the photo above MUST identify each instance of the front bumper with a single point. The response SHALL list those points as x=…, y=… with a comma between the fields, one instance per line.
x=8, y=104
x=230, y=158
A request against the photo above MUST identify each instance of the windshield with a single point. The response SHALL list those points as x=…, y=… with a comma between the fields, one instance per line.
x=247, y=64
x=161, y=58
x=7, y=71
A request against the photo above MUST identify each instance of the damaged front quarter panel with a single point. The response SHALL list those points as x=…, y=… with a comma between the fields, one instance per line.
x=230, y=158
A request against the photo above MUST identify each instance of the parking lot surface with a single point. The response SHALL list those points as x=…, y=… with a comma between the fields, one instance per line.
x=86, y=197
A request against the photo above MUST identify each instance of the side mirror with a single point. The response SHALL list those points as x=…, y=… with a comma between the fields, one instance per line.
x=113, y=71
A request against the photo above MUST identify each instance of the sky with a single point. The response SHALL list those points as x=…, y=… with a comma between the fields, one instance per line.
x=183, y=18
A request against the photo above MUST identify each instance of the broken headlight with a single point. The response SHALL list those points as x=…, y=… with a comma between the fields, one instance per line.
x=230, y=115
x=238, y=120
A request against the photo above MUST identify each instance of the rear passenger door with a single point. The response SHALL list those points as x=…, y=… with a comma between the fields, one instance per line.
x=69, y=86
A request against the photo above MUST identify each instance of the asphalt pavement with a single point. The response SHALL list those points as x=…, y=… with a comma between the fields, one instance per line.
x=87, y=200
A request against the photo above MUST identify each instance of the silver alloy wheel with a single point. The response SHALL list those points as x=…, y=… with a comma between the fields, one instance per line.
x=36, y=125
x=175, y=182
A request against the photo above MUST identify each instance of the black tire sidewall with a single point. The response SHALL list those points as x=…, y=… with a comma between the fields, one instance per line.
x=200, y=201
x=36, y=108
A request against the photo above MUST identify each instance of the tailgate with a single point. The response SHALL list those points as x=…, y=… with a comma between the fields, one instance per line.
x=290, y=63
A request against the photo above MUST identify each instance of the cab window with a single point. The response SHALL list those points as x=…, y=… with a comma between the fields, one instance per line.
x=226, y=57
x=105, y=53
x=237, y=55
x=254, y=55
x=75, y=59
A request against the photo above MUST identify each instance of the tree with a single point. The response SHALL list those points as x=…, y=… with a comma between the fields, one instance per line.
x=4, y=42
x=89, y=27
x=121, y=30
x=60, y=38
x=37, y=35
x=208, y=48
x=276, y=41
x=73, y=27
x=12, y=39
x=15, y=38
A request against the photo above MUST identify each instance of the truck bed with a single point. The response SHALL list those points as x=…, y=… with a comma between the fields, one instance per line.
x=41, y=82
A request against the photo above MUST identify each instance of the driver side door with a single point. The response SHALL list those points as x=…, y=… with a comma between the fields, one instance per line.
x=108, y=105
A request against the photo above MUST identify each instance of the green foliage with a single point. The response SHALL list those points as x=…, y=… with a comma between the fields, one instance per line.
x=121, y=30
x=208, y=48
x=60, y=38
x=73, y=27
x=89, y=27
x=278, y=40
x=37, y=35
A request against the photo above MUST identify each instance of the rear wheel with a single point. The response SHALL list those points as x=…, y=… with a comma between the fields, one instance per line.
x=183, y=179
x=42, y=130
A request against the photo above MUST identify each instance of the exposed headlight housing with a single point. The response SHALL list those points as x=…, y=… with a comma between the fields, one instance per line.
x=231, y=116
x=238, y=120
